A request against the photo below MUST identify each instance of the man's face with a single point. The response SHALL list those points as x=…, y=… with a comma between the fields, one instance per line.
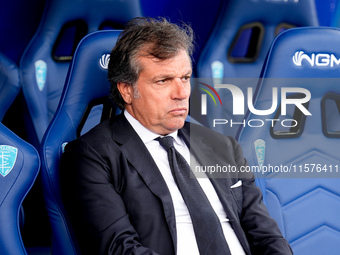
x=161, y=102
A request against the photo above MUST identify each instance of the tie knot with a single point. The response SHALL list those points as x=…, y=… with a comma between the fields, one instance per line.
x=166, y=142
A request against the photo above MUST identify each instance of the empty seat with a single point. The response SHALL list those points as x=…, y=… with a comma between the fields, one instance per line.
x=238, y=45
x=44, y=64
x=9, y=84
x=295, y=145
x=19, y=167
x=86, y=87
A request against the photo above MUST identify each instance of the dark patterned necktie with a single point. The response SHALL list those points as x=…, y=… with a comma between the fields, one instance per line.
x=207, y=227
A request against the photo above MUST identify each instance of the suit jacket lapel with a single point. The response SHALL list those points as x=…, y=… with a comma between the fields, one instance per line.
x=138, y=155
x=207, y=157
x=228, y=202
x=124, y=135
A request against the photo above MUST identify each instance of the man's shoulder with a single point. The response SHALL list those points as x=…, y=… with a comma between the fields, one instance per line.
x=97, y=136
x=223, y=149
x=197, y=130
x=100, y=130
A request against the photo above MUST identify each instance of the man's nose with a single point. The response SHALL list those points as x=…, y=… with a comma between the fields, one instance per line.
x=181, y=89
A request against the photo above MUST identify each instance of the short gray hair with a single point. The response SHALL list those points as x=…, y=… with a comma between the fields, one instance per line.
x=156, y=37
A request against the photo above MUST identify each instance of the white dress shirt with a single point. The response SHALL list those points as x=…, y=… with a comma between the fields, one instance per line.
x=186, y=241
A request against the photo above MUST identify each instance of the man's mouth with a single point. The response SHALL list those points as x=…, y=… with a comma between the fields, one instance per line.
x=179, y=111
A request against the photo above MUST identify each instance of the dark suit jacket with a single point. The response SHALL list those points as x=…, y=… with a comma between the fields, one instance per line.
x=118, y=202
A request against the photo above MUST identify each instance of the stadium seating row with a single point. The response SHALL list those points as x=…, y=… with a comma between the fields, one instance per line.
x=295, y=156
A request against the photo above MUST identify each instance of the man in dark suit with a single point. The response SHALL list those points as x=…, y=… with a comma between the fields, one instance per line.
x=121, y=193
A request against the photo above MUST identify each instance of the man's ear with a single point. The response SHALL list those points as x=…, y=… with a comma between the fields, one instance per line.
x=126, y=91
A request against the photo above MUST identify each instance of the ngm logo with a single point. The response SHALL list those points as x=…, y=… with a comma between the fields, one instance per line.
x=315, y=59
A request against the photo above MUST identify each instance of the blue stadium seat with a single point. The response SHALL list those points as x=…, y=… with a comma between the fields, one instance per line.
x=299, y=152
x=44, y=64
x=19, y=167
x=19, y=19
x=9, y=84
x=326, y=10
x=239, y=43
x=86, y=86
x=334, y=16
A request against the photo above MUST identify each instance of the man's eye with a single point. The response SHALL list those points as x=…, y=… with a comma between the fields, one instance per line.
x=161, y=81
x=186, y=78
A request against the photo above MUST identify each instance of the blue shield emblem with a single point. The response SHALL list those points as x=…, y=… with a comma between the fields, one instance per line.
x=217, y=69
x=40, y=73
x=8, y=157
x=260, y=149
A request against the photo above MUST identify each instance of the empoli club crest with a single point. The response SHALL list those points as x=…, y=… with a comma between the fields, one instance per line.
x=8, y=157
